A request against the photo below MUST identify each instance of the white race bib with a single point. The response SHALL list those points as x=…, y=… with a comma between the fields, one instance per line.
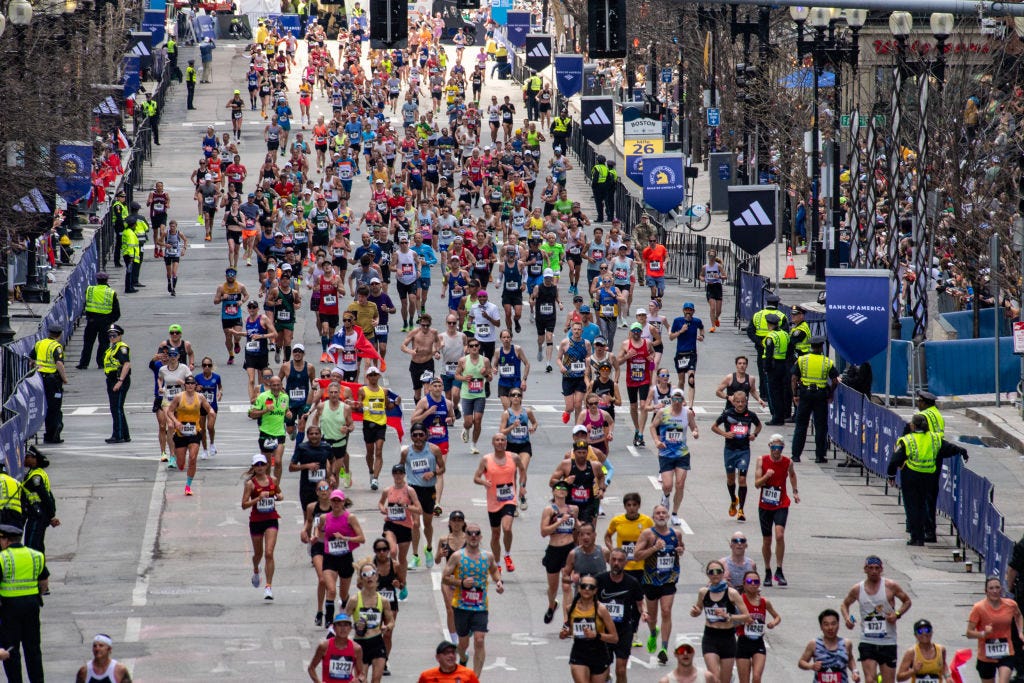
x=381, y=330
x=297, y=394
x=547, y=309
x=873, y=628
x=419, y=465
x=396, y=512
x=771, y=495
x=336, y=546
x=340, y=668
x=755, y=629
x=504, y=492
x=483, y=330
x=329, y=300
x=616, y=610
x=581, y=625
x=284, y=316
x=188, y=429
x=253, y=345
x=317, y=475
x=577, y=366
x=266, y=504
x=997, y=648
x=507, y=370
x=665, y=563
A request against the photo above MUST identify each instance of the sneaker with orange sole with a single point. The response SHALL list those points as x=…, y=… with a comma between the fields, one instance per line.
x=509, y=565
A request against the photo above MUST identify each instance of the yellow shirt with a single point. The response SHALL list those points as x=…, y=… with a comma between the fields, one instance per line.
x=374, y=405
x=365, y=315
x=627, y=533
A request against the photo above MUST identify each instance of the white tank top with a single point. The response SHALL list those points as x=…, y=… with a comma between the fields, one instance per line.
x=106, y=677
x=873, y=610
x=405, y=266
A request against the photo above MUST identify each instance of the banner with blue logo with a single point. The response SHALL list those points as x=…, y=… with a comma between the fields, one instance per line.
x=857, y=312
x=663, y=181
x=499, y=11
x=516, y=28
x=569, y=75
x=132, y=70
x=74, y=170
x=845, y=412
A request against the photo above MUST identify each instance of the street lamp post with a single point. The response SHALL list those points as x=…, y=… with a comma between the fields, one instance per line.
x=900, y=25
x=818, y=18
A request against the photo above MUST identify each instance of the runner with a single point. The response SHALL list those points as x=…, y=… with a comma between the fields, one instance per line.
x=339, y=658
x=209, y=383
x=260, y=497
x=637, y=355
x=829, y=656
x=373, y=618
x=424, y=464
x=623, y=597
x=341, y=534
x=513, y=368
x=297, y=376
x=169, y=381
x=723, y=609
x=328, y=288
x=446, y=547
x=174, y=244
x=497, y=473
x=472, y=371
x=584, y=477
x=685, y=671
x=257, y=331
x=925, y=661
x=270, y=410
x=183, y=413
x=740, y=380
x=374, y=403
x=399, y=505
x=600, y=425
x=448, y=668
x=334, y=418
x=686, y=332
x=512, y=282
x=876, y=598
x=751, y=652
x=542, y=300
x=310, y=534
x=102, y=668
x=558, y=523
x=590, y=626
x=573, y=354
x=668, y=429
x=660, y=548
x=517, y=423
x=586, y=559
x=312, y=459
x=467, y=571
x=991, y=621
x=435, y=412
x=713, y=275
x=625, y=529
x=739, y=427
x=423, y=345
x=736, y=563
x=284, y=300
x=770, y=475
x=655, y=258
x=389, y=586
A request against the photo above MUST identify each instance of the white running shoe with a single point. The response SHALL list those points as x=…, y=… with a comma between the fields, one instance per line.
x=268, y=594
x=204, y=454
x=675, y=520
x=664, y=499
x=465, y=436
x=213, y=450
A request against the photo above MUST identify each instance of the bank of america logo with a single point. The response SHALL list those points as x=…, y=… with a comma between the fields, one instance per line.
x=540, y=50
x=856, y=318
x=597, y=118
x=753, y=215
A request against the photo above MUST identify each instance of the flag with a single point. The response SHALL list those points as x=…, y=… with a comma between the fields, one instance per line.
x=365, y=349
x=122, y=141
x=961, y=658
x=394, y=415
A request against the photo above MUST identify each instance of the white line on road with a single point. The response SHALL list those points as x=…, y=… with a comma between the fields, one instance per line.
x=87, y=410
x=633, y=451
x=657, y=487
x=435, y=579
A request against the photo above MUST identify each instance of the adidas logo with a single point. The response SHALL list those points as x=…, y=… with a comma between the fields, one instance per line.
x=597, y=118
x=753, y=215
x=140, y=50
x=540, y=50
x=856, y=318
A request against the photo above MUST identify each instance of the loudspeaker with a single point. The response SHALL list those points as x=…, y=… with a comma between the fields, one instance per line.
x=607, y=35
x=389, y=24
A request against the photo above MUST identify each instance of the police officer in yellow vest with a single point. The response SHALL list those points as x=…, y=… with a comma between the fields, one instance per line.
x=10, y=499
x=132, y=255
x=23, y=577
x=118, y=214
x=172, y=57
x=531, y=89
x=799, y=331
x=37, y=501
x=102, y=309
x=190, y=83
x=757, y=330
x=926, y=406
x=598, y=178
x=918, y=455
x=117, y=365
x=302, y=9
x=48, y=355
x=775, y=357
x=152, y=111
x=560, y=129
x=814, y=380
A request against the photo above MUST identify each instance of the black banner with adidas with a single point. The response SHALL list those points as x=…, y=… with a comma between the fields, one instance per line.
x=597, y=118
x=538, y=51
x=753, y=216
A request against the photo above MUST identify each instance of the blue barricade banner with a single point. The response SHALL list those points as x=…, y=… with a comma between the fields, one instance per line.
x=663, y=181
x=752, y=291
x=857, y=312
x=949, y=486
x=29, y=403
x=993, y=552
x=132, y=70
x=881, y=430
x=967, y=366
x=1000, y=551
x=569, y=75
x=290, y=23
x=74, y=170
x=845, y=415
x=12, y=445
x=206, y=28
x=972, y=509
x=516, y=27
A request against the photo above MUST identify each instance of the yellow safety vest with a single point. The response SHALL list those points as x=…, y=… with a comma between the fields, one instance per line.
x=936, y=423
x=172, y=46
x=814, y=369
x=21, y=567
x=921, y=449
x=32, y=496
x=110, y=361
x=46, y=355
x=130, y=243
x=10, y=493
x=99, y=299
x=561, y=125
x=602, y=173
x=141, y=228
x=149, y=106
x=780, y=339
x=190, y=74
x=535, y=84
x=804, y=345
x=761, y=325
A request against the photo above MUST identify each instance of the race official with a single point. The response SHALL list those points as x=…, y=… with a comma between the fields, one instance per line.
x=40, y=507
x=118, y=368
x=102, y=309
x=48, y=355
x=775, y=359
x=757, y=331
x=814, y=378
x=23, y=576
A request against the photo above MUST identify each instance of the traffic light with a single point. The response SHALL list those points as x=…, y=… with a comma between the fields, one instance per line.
x=607, y=35
x=389, y=24
x=745, y=77
x=467, y=4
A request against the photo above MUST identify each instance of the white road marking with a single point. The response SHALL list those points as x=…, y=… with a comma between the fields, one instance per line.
x=633, y=451
x=442, y=612
x=657, y=487
x=86, y=410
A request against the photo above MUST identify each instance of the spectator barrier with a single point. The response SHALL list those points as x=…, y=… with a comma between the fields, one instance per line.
x=967, y=366
x=901, y=378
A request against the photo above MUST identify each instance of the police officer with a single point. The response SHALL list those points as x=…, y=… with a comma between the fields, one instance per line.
x=757, y=330
x=560, y=129
x=531, y=89
x=48, y=355
x=10, y=499
x=918, y=454
x=190, y=83
x=152, y=111
x=926, y=406
x=814, y=380
x=140, y=226
x=23, y=576
x=102, y=309
x=38, y=504
x=172, y=57
x=118, y=368
x=609, y=190
x=598, y=180
x=775, y=357
x=118, y=214
x=799, y=332
x=131, y=253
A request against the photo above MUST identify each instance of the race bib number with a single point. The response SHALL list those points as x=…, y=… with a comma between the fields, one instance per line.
x=638, y=371
x=449, y=368
x=387, y=595
x=419, y=465
x=284, y=316
x=446, y=234
x=317, y=475
x=621, y=273
x=580, y=494
x=483, y=330
x=830, y=677
x=376, y=406
x=630, y=550
x=567, y=525
x=655, y=265
x=381, y=330
x=329, y=300
x=616, y=610
x=266, y=504
x=211, y=396
x=297, y=394
x=408, y=269
x=665, y=563
x=188, y=429
x=476, y=385
x=396, y=512
x=348, y=357
x=437, y=431
x=520, y=432
x=874, y=628
x=577, y=366
x=997, y=648
x=173, y=391
x=511, y=286
x=596, y=433
x=473, y=597
x=740, y=430
x=675, y=436
x=771, y=495
x=547, y=309
x=608, y=310
x=457, y=292
x=504, y=492
x=340, y=668
x=336, y=546
x=575, y=251
x=371, y=617
x=581, y=626
x=253, y=346
x=270, y=443
x=231, y=310
x=507, y=370
x=755, y=629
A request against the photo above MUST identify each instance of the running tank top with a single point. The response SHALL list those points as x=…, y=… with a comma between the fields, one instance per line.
x=502, y=491
x=931, y=669
x=338, y=525
x=472, y=599
x=418, y=464
x=595, y=427
x=592, y=563
x=106, y=677
x=405, y=267
x=255, y=346
x=188, y=414
x=474, y=387
x=374, y=405
x=754, y=628
x=266, y=508
x=339, y=663
x=579, y=621
x=437, y=430
x=331, y=422
x=638, y=368
x=734, y=572
x=873, y=609
x=296, y=384
x=328, y=297
x=397, y=506
x=582, y=489
x=662, y=568
x=451, y=351
x=713, y=273
x=736, y=385
x=172, y=244
x=833, y=662
x=520, y=432
x=710, y=605
x=509, y=367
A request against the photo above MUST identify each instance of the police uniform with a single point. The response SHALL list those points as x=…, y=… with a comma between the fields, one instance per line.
x=118, y=214
x=757, y=330
x=531, y=89
x=21, y=570
x=814, y=377
x=775, y=357
x=102, y=309
x=48, y=354
x=598, y=183
x=152, y=110
x=918, y=454
x=117, y=367
x=190, y=83
x=800, y=334
x=936, y=425
x=10, y=499
x=560, y=129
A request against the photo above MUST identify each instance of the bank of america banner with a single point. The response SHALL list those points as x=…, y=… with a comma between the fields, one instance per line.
x=597, y=118
x=663, y=181
x=538, y=51
x=857, y=312
x=569, y=74
x=517, y=27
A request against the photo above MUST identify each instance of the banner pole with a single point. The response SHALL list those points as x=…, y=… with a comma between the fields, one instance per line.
x=778, y=233
x=996, y=310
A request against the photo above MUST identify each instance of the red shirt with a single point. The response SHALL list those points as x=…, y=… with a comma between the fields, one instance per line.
x=236, y=172
x=773, y=493
x=654, y=260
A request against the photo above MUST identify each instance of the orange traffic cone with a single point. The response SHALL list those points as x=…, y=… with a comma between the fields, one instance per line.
x=790, y=266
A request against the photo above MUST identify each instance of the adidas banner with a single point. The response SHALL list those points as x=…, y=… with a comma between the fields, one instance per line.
x=597, y=118
x=857, y=312
x=753, y=212
x=664, y=184
x=517, y=27
x=569, y=74
x=538, y=51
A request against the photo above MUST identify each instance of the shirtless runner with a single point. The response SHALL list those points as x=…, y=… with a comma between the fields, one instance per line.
x=424, y=345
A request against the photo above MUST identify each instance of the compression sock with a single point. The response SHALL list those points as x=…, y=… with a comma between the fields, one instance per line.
x=328, y=611
x=323, y=343
x=188, y=481
x=174, y=283
x=732, y=491
x=743, y=496
x=287, y=354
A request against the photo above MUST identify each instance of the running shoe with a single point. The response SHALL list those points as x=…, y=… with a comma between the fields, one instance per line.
x=238, y=347
x=548, y=369
x=324, y=358
x=164, y=457
x=255, y=579
x=509, y=565
x=522, y=502
x=268, y=594
x=474, y=450
x=733, y=507
x=662, y=657
x=204, y=454
x=623, y=325
x=318, y=620
x=374, y=485
x=248, y=262
x=171, y=465
x=652, y=641
x=209, y=238
x=428, y=558
x=386, y=672
x=519, y=328
x=712, y=329
x=740, y=517
x=550, y=613
x=767, y=577
x=642, y=442
x=414, y=562
x=465, y=436
x=458, y=413
x=188, y=490
x=231, y=360
x=636, y=438
x=199, y=219
x=565, y=417
x=403, y=593
x=675, y=520
x=780, y=578
x=636, y=640
x=664, y=499
x=213, y=450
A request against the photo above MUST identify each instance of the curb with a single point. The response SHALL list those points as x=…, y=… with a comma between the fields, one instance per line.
x=999, y=428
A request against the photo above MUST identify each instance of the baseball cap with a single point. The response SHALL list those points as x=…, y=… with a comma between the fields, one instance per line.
x=444, y=646
x=689, y=305
x=343, y=616
x=337, y=494
x=174, y=328
x=684, y=647
x=172, y=352
x=259, y=459
x=636, y=326
x=641, y=311
x=208, y=177
x=375, y=281
x=398, y=468
x=548, y=272
x=584, y=309
x=238, y=92
x=600, y=341
x=579, y=429
x=373, y=370
x=677, y=392
x=230, y=272
x=298, y=347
